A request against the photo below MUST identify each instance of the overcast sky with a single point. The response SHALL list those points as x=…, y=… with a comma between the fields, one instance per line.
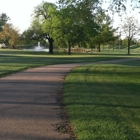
x=20, y=11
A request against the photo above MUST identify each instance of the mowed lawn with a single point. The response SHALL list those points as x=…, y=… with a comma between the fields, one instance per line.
x=103, y=101
x=12, y=61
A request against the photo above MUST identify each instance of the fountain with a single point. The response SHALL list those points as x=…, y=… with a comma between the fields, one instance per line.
x=38, y=48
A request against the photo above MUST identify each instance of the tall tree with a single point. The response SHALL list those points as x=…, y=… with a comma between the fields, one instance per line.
x=106, y=33
x=130, y=29
x=3, y=19
x=42, y=14
x=77, y=20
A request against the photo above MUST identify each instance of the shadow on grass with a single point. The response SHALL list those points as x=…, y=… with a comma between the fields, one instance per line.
x=105, y=110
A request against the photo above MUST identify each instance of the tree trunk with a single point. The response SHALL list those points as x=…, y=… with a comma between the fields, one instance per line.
x=13, y=47
x=69, y=51
x=129, y=41
x=50, y=45
x=99, y=49
x=113, y=47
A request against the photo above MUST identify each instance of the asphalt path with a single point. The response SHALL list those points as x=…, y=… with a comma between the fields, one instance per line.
x=29, y=109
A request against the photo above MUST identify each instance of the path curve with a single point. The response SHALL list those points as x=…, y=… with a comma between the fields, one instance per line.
x=28, y=106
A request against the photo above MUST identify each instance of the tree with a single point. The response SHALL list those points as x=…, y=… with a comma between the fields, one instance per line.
x=10, y=34
x=114, y=5
x=3, y=19
x=42, y=14
x=77, y=21
x=106, y=31
x=26, y=37
x=66, y=28
x=130, y=28
x=71, y=23
x=121, y=5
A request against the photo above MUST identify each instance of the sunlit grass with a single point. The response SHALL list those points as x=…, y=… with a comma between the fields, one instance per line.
x=103, y=101
x=16, y=60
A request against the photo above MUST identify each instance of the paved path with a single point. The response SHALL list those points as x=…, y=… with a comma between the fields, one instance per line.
x=28, y=106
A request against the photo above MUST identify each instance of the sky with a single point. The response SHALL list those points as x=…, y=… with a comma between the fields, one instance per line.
x=20, y=11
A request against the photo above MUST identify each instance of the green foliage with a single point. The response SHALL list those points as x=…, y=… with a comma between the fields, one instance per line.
x=68, y=24
x=49, y=21
x=106, y=31
x=42, y=14
x=75, y=22
x=25, y=37
x=3, y=19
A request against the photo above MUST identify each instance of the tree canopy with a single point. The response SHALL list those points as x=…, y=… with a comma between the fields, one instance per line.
x=73, y=22
x=10, y=34
x=3, y=19
x=43, y=14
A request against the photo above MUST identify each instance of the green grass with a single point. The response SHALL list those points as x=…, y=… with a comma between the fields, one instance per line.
x=12, y=61
x=103, y=101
